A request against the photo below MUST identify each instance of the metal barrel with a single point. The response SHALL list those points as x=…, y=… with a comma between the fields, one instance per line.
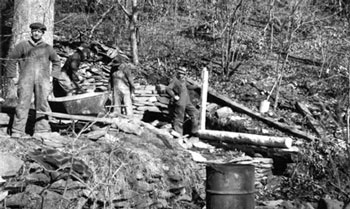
x=230, y=186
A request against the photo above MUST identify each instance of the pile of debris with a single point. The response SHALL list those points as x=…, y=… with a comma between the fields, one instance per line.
x=113, y=169
x=107, y=168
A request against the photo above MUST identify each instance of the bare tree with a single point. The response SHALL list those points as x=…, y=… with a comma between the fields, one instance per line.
x=132, y=16
x=230, y=15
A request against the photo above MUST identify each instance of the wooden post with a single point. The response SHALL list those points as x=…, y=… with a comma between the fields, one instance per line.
x=204, y=96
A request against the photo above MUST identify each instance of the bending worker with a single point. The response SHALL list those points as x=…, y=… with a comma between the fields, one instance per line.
x=180, y=102
x=34, y=57
x=123, y=88
x=66, y=83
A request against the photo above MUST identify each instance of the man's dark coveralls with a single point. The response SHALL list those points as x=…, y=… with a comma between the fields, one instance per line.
x=183, y=105
x=34, y=77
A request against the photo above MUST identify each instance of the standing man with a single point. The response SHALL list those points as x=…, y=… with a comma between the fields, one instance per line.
x=34, y=57
x=67, y=82
x=180, y=102
x=123, y=88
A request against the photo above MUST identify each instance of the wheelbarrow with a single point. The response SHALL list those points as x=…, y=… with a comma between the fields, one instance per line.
x=91, y=103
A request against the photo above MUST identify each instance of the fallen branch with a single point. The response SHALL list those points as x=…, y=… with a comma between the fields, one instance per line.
x=311, y=121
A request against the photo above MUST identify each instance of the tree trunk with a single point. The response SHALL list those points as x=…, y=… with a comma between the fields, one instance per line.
x=132, y=16
x=29, y=11
x=133, y=33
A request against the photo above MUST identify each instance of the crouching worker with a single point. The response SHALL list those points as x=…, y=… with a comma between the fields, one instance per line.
x=34, y=57
x=123, y=88
x=66, y=83
x=180, y=103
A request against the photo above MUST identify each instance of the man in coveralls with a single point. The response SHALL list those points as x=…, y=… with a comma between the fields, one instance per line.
x=123, y=88
x=34, y=57
x=180, y=102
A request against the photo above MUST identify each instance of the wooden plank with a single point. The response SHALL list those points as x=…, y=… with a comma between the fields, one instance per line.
x=77, y=97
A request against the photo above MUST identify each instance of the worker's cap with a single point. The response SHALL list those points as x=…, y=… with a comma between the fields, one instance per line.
x=37, y=26
x=182, y=70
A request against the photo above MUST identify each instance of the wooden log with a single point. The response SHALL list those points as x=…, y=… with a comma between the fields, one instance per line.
x=241, y=108
x=243, y=138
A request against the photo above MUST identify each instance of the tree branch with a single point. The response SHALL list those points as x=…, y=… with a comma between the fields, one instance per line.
x=103, y=16
x=124, y=9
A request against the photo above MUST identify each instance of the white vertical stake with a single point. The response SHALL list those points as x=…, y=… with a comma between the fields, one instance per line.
x=204, y=96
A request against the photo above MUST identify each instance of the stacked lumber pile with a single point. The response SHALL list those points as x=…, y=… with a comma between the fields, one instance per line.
x=94, y=77
x=147, y=99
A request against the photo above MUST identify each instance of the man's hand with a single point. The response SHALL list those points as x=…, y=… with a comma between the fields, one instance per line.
x=176, y=98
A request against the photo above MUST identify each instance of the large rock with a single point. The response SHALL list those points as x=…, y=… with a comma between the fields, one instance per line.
x=9, y=165
x=330, y=204
x=224, y=112
x=24, y=200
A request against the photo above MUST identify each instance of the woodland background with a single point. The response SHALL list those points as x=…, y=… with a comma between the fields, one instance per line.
x=286, y=51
